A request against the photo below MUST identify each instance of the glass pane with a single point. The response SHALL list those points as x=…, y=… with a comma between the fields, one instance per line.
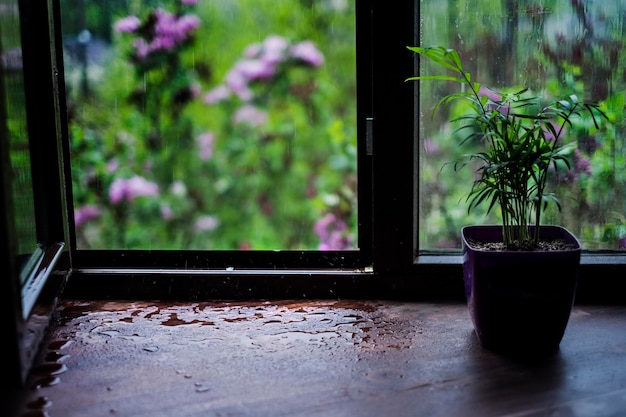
x=12, y=77
x=212, y=124
x=553, y=48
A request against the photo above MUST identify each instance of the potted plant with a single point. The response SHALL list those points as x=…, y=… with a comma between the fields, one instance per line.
x=520, y=276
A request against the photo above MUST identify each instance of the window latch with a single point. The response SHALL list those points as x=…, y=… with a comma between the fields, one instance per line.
x=369, y=136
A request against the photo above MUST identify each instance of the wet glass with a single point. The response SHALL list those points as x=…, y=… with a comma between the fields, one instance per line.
x=553, y=48
x=13, y=124
x=212, y=124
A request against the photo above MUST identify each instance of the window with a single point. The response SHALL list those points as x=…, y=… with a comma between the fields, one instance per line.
x=388, y=209
x=216, y=139
x=551, y=48
x=386, y=175
x=188, y=133
x=386, y=164
x=389, y=261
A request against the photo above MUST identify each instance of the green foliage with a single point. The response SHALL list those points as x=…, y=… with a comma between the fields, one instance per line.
x=257, y=168
x=522, y=144
x=509, y=47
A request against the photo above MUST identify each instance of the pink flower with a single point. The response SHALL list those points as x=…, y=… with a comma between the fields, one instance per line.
x=206, y=223
x=254, y=69
x=163, y=43
x=205, y=144
x=129, y=189
x=127, y=24
x=307, y=52
x=187, y=24
x=166, y=212
x=489, y=93
x=260, y=62
x=250, y=115
x=178, y=188
x=247, y=70
x=238, y=84
x=112, y=165
x=169, y=31
x=85, y=214
x=142, y=49
x=219, y=93
x=273, y=49
x=333, y=233
x=253, y=50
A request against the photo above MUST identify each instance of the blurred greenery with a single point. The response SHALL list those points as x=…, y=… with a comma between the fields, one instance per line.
x=551, y=47
x=288, y=179
x=261, y=168
x=14, y=129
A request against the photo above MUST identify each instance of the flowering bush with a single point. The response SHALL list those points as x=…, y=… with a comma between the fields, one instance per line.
x=247, y=156
x=271, y=100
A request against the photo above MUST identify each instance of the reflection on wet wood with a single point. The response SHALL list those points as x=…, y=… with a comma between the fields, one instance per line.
x=320, y=358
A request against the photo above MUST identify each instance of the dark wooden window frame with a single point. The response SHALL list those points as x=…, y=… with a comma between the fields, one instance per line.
x=32, y=280
x=386, y=247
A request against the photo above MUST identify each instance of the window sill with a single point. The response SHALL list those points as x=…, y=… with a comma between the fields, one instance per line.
x=323, y=358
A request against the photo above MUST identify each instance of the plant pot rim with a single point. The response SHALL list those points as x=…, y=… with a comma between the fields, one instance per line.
x=554, y=231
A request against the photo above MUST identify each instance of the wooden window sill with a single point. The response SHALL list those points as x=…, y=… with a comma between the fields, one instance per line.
x=314, y=357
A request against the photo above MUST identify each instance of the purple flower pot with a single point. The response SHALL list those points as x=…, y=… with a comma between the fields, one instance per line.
x=520, y=301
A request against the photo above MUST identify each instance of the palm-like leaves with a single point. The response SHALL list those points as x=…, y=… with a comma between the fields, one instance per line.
x=522, y=143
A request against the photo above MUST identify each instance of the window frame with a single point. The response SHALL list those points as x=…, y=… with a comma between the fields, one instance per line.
x=386, y=248
x=43, y=123
x=601, y=272
x=30, y=283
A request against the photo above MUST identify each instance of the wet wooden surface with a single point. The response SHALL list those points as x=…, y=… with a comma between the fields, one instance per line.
x=314, y=358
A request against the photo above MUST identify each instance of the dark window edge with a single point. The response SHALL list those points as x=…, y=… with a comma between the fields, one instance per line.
x=433, y=277
x=601, y=275
x=219, y=259
x=587, y=258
